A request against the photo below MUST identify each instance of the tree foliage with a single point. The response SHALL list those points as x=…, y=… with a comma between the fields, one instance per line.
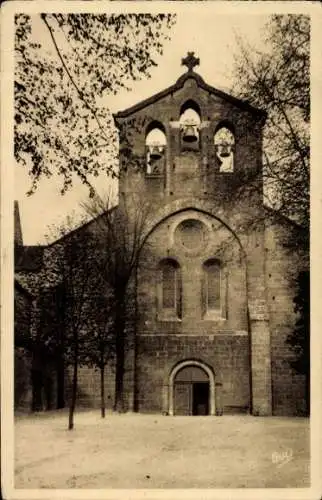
x=62, y=123
x=277, y=79
x=86, y=291
x=76, y=273
x=70, y=325
x=70, y=279
x=299, y=339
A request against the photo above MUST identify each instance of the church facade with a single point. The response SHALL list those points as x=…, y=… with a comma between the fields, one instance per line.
x=214, y=292
x=215, y=283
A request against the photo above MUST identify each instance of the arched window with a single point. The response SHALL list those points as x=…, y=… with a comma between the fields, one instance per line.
x=170, y=290
x=155, y=143
x=224, y=141
x=214, y=289
x=190, y=125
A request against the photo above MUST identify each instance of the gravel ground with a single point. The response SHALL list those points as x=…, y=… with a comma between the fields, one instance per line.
x=153, y=451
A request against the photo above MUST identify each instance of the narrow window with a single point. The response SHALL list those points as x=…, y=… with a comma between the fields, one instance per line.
x=212, y=285
x=168, y=287
x=214, y=289
x=171, y=289
x=224, y=141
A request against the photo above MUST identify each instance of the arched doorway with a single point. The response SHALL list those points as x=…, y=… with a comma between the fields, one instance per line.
x=191, y=389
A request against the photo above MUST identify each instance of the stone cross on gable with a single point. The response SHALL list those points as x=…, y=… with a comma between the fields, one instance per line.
x=190, y=61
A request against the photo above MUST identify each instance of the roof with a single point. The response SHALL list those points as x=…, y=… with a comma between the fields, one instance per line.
x=178, y=85
x=81, y=227
x=30, y=258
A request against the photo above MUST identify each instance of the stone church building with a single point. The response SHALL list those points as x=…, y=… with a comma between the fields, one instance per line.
x=215, y=283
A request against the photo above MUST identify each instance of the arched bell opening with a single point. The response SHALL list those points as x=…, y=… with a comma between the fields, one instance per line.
x=224, y=142
x=190, y=119
x=155, y=145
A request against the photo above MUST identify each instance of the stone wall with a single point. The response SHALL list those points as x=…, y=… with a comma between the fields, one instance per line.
x=227, y=355
x=218, y=338
x=285, y=259
x=228, y=205
x=164, y=242
x=191, y=173
x=89, y=387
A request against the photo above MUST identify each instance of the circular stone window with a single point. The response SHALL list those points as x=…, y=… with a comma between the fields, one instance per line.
x=191, y=234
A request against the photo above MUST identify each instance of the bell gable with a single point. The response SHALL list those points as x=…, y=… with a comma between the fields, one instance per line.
x=190, y=139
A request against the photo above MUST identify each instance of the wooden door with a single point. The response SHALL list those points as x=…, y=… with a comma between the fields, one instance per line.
x=182, y=398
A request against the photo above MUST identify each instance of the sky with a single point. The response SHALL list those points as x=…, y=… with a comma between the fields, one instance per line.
x=212, y=36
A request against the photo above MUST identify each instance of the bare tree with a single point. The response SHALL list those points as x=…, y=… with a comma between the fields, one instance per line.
x=121, y=232
x=100, y=339
x=69, y=274
x=276, y=79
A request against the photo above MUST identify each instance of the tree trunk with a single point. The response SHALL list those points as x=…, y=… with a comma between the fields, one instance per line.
x=74, y=391
x=37, y=378
x=120, y=357
x=119, y=373
x=37, y=384
x=60, y=383
x=102, y=391
x=48, y=387
x=61, y=348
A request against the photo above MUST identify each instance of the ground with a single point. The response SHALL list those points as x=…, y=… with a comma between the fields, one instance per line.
x=154, y=451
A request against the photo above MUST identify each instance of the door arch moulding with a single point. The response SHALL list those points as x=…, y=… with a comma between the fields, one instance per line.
x=211, y=377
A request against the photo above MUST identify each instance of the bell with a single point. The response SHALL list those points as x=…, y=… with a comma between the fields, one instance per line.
x=155, y=152
x=224, y=150
x=189, y=134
